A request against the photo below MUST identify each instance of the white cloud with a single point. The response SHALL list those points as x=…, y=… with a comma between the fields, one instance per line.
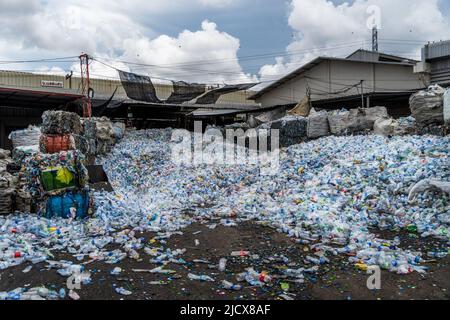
x=218, y=3
x=110, y=31
x=323, y=28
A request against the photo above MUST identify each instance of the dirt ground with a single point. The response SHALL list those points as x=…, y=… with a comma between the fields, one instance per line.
x=339, y=280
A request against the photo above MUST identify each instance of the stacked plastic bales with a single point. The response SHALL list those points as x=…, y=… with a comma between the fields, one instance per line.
x=57, y=176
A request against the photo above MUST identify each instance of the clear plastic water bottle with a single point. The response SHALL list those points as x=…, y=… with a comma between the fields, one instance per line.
x=222, y=264
x=437, y=255
x=230, y=286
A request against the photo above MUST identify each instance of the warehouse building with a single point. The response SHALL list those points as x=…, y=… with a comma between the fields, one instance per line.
x=364, y=78
x=25, y=96
x=436, y=63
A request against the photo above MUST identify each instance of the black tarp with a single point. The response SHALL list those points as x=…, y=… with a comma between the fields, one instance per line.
x=212, y=96
x=138, y=87
x=184, y=92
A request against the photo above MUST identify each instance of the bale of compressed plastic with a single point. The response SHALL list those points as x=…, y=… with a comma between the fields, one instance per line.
x=90, y=131
x=22, y=201
x=6, y=200
x=54, y=173
x=55, y=143
x=348, y=122
x=26, y=137
x=19, y=154
x=292, y=129
x=427, y=106
x=447, y=106
x=318, y=124
x=5, y=160
x=61, y=122
x=68, y=205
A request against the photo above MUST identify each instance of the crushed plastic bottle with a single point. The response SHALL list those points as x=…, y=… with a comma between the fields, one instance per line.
x=222, y=264
x=123, y=291
x=204, y=278
x=230, y=286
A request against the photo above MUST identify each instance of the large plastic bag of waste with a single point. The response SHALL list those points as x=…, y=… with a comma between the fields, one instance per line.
x=393, y=127
x=61, y=122
x=318, y=124
x=427, y=106
x=429, y=185
x=348, y=121
x=4, y=154
x=447, y=106
x=119, y=130
x=26, y=137
x=68, y=205
x=375, y=113
x=302, y=109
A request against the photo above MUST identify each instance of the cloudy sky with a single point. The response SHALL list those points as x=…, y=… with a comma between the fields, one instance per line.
x=209, y=41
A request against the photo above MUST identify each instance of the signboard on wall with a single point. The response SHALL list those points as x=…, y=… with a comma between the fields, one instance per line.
x=52, y=84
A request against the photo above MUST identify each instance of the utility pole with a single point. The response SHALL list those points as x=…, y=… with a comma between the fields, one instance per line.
x=375, y=39
x=362, y=94
x=86, y=86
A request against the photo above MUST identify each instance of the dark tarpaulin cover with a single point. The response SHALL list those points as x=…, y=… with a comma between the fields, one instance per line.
x=212, y=96
x=138, y=87
x=183, y=92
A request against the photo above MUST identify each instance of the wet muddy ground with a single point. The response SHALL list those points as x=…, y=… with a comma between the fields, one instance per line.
x=339, y=280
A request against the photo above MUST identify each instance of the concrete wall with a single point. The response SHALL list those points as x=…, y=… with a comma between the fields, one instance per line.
x=337, y=75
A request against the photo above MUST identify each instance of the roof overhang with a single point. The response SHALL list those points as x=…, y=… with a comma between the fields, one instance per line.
x=19, y=97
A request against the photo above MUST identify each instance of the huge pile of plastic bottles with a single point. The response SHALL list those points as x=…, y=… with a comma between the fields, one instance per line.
x=330, y=193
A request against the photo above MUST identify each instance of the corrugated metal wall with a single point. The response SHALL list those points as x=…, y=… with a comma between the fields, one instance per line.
x=438, y=56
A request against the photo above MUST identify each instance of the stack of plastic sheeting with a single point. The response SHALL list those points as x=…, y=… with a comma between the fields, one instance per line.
x=427, y=106
x=344, y=122
x=61, y=122
x=292, y=129
x=318, y=124
x=25, y=138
